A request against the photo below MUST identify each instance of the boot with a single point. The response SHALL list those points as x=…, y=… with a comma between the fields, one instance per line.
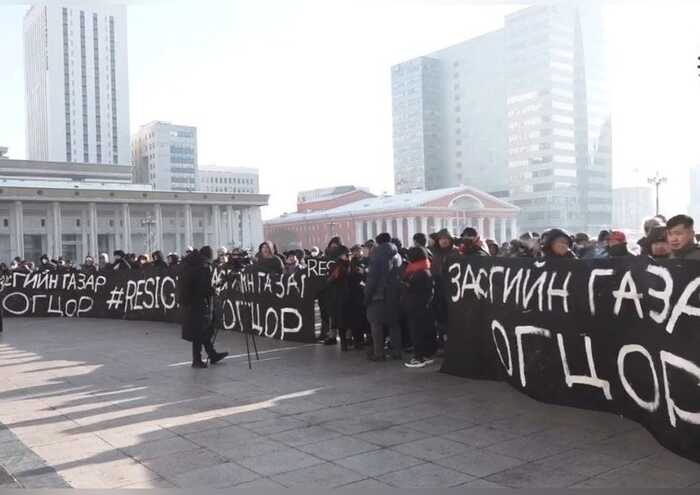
x=199, y=364
x=217, y=356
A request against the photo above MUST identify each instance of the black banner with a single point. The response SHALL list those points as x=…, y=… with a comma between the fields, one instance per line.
x=276, y=306
x=615, y=335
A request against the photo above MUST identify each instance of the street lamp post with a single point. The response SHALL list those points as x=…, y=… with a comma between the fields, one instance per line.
x=148, y=222
x=657, y=181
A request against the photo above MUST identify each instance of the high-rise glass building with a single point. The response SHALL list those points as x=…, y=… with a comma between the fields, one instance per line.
x=522, y=112
x=76, y=83
x=559, y=118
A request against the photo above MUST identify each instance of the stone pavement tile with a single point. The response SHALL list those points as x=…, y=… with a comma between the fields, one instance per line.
x=528, y=449
x=570, y=435
x=50, y=480
x=479, y=463
x=133, y=435
x=440, y=425
x=222, y=436
x=326, y=475
x=480, y=436
x=77, y=451
x=251, y=416
x=408, y=414
x=426, y=476
x=304, y=436
x=631, y=446
x=523, y=424
x=389, y=437
x=247, y=448
x=276, y=425
x=481, y=483
x=279, y=461
x=198, y=426
x=113, y=474
x=368, y=485
x=534, y=475
x=260, y=484
x=379, y=462
x=159, y=448
x=353, y=426
x=338, y=448
x=173, y=465
x=640, y=475
x=586, y=462
x=159, y=483
x=431, y=448
x=219, y=476
x=671, y=462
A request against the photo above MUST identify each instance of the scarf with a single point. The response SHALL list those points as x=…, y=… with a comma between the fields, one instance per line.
x=416, y=266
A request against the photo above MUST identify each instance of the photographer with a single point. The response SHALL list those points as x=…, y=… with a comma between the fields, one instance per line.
x=196, y=298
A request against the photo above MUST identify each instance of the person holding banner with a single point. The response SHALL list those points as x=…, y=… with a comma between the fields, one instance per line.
x=196, y=295
x=681, y=237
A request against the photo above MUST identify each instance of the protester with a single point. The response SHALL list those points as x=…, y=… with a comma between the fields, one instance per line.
x=267, y=260
x=471, y=243
x=681, y=238
x=382, y=293
x=88, y=266
x=444, y=249
x=195, y=295
x=291, y=263
x=558, y=244
x=617, y=245
x=158, y=261
x=416, y=302
x=337, y=293
x=103, y=262
x=120, y=261
x=173, y=260
x=355, y=310
x=659, y=248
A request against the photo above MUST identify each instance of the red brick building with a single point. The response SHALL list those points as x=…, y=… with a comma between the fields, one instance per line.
x=356, y=215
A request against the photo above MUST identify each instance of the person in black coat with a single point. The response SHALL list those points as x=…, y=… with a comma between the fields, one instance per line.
x=196, y=298
x=558, y=244
x=416, y=300
x=267, y=260
x=355, y=311
x=158, y=261
x=337, y=295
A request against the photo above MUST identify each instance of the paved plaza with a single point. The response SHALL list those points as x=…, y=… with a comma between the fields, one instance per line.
x=105, y=404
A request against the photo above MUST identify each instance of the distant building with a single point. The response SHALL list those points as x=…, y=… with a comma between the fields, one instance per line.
x=522, y=112
x=164, y=155
x=75, y=210
x=694, y=207
x=331, y=197
x=356, y=220
x=631, y=205
x=3, y=152
x=76, y=82
x=228, y=180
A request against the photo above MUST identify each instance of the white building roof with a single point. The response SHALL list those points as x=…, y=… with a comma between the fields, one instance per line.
x=386, y=204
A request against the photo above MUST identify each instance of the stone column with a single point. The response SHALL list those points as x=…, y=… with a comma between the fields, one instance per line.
x=437, y=224
x=159, y=228
x=57, y=248
x=514, y=228
x=492, y=228
x=377, y=227
x=84, y=231
x=189, y=240
x=480, y=227
x=504, y=234
x=399, y=231
x=94, y=230
x=411, y=230
x=17, y=230
x=231, y=226
x=358, y=232
x=424, y=225
x=126, y=228
x=178, y=232
x=216, y=216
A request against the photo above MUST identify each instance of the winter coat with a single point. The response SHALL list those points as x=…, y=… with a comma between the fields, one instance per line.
x=195, y=296
x=355, y=311
x=337, y=292
x=690, y=252
x=418, y=291
x=619, y=251
x=383, y=284
x=272, y=265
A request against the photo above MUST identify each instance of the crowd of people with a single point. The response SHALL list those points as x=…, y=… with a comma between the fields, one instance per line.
x=380, y=296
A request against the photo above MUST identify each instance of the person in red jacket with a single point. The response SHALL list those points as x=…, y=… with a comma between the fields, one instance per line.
x=417, y=298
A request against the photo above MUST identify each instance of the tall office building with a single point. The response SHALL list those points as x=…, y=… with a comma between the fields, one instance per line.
x=449, y=111
x=164, y=155
x=522, y=112
x=76, y=83
x=559, y=117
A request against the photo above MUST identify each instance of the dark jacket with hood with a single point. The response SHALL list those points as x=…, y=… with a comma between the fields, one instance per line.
x=195, y=296
x=383, y=281
x=552, y=236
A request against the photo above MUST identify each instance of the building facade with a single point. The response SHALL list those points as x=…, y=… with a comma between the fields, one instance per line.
x=164, y=155
x=402, y=215
x=449, y=118
x=74, y=211
x=76, y=83
x=522, y=112
x=228, y=180
x=631, y=206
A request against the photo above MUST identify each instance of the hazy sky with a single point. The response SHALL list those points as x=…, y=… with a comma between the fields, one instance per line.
x=301, y=89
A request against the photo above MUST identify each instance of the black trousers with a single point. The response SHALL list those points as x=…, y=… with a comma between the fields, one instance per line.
x=197, y=349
